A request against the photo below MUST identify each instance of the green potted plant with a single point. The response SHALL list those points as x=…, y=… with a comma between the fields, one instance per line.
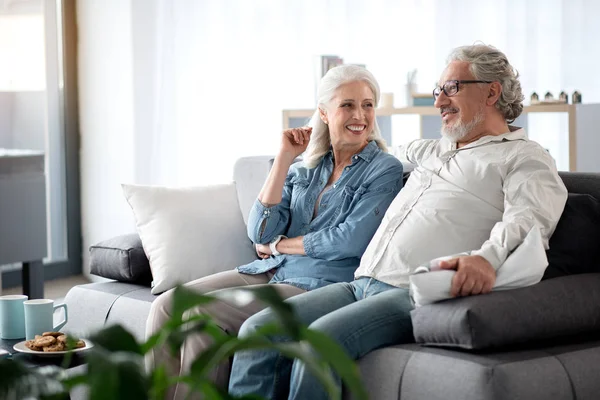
x=115, y=365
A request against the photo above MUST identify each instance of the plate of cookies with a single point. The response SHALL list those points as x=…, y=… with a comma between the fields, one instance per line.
x=51, y=344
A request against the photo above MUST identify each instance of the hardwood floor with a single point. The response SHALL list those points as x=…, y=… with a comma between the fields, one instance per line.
x=55, y=289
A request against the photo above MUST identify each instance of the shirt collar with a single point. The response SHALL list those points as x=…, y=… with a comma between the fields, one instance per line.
x=514, y=133
x=367, y=154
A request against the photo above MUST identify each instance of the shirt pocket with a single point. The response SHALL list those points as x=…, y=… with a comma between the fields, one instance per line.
x=299, y=191
x=351, y=195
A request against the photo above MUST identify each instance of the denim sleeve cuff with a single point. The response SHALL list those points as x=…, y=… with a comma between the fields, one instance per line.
x=257, y=221
x=309, y=245
x=261, y=210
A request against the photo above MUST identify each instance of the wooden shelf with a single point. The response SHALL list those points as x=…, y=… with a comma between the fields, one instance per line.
x=426, y=110
x=583, y=120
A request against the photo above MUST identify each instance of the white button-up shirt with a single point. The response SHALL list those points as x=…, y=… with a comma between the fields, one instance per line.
x=481, y=199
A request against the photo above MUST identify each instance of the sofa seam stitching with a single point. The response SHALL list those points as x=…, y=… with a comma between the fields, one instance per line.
x=112, y=248
x=571, y=385
x=400, y=384
x=113, y=303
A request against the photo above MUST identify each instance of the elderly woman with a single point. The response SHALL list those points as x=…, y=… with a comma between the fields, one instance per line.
x=312, y=220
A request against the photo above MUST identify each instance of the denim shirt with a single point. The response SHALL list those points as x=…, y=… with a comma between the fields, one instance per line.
x=348, y=215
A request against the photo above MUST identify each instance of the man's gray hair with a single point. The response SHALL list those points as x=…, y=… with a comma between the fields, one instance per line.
x=320, y=140
x=490, y=64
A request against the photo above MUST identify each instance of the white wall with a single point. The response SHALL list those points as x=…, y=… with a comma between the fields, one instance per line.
x=106, y=118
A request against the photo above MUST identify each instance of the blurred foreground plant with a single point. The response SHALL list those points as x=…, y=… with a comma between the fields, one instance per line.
x=115, y=365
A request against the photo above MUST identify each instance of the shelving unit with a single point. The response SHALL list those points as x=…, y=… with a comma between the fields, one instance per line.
x=583, y=132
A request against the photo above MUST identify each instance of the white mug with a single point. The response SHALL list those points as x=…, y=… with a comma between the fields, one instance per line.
x=39, y=317
x=12, y=316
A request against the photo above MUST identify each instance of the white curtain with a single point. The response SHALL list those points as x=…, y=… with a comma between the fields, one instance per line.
x=172, y=92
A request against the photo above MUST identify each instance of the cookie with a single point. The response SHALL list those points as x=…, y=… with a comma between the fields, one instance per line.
x=44, y=341
x=52, y=342
x=55, y=334
x=29, y=344
x=55, y=347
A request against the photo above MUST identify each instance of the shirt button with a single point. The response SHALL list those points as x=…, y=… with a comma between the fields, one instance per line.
x=265, y=212
x=347, y=168
x=334, y=186
x=356, y=157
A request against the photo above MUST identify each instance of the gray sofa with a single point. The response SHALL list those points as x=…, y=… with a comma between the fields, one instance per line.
x=540, y=342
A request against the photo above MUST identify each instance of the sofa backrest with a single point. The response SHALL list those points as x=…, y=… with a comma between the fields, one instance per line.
x=249, y=174
x=582, y=182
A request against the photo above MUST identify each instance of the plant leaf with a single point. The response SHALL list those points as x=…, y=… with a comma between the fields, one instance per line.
x=220, y=352
x=160, y=383
x=320, y=370
x=116, y=338
x=283, y=311
x=18, y=381
x=74, y=380
x=184, y=299
x=116, y=376
x=335, y=356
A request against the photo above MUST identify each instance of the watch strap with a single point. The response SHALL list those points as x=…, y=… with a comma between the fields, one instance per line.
x=273, y=244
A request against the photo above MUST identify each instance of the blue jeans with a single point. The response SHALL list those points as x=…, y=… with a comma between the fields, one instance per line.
x=361, y=316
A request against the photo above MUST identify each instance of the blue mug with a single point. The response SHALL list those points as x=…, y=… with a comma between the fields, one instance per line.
x=39, y=317
x=12, y=316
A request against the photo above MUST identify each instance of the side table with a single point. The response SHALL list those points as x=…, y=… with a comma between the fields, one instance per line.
x=76, y=366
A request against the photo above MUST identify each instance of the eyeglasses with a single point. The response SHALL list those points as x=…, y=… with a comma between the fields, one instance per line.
x=450, y=88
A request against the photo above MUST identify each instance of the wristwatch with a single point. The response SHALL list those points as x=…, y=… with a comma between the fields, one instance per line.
x=273, y=244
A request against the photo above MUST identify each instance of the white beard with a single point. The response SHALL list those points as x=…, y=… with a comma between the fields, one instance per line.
x=459, y=130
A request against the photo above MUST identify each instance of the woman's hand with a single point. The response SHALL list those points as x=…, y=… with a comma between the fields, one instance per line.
x=294, y=141
x=263, y=251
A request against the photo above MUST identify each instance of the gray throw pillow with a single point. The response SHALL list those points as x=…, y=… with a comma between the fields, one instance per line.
x=550, y=309
x=121, y=258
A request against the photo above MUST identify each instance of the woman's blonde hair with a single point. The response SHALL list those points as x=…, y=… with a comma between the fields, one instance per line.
x=320, y=140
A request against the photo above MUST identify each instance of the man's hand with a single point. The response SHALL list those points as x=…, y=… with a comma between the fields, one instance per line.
x=263, y=250
x=474, y=275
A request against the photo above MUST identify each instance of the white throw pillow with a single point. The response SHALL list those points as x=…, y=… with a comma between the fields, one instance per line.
x=525, y=266
x=189, y=233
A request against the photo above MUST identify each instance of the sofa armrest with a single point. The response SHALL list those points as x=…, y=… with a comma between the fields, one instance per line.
x=550, y=309
x=121, y=258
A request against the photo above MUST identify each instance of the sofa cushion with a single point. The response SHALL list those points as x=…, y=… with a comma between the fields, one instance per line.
x=549, y=309
x=189, y=232
x=95, y=305
x=121, y=258
x=575, y=244
x=411, y=372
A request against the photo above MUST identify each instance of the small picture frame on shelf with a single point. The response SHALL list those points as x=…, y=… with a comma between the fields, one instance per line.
x=328, y=62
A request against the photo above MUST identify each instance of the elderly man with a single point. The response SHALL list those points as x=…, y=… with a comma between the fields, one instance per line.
x=478, y=191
